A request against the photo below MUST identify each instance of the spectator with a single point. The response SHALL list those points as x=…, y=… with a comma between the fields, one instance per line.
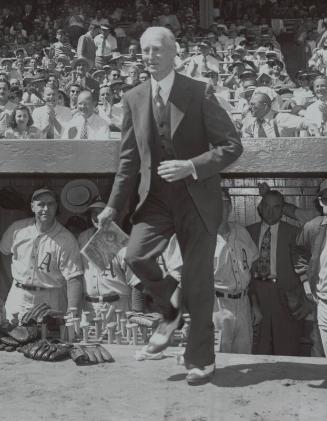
x=86, y=124
x=79, y=75
x=6, y=106
x=105, y=44
x=316, y=113
x=21, y=125
x=167, y=18
x=7, y=66
x=201, y=64
x=86, y=46
x=264, y=122
x=74, y=90
x=303, y=95
x=75, y=25
x=62, y=46
x=99, y=19
x=51, y=117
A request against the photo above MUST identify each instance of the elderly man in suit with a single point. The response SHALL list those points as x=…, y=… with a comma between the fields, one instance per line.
x=179, y=139
x=276, y=286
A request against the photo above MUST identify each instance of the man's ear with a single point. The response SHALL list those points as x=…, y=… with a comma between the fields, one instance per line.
x=259, y=208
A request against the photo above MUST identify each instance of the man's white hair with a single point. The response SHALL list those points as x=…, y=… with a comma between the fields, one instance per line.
x=155, y=31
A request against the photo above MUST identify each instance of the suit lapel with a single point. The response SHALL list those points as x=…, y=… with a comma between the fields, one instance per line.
x=179, y=98
x=143, y=119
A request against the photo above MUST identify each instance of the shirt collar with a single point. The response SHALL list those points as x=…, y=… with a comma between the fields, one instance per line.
x=165, y=84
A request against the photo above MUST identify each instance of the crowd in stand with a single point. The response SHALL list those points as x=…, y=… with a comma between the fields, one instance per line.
x=51, y=54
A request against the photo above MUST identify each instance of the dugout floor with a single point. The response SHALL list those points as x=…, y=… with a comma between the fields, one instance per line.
x=245, y=387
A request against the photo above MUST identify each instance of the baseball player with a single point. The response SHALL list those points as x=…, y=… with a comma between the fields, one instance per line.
x=234, y=255
x=46, y=265
x=101, y=286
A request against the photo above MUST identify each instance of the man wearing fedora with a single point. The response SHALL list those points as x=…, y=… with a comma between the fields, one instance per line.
x=46, y=266
x=105, y=44
x=179, y=139
x=201, y=64
x=310, y=262
x=86, y=46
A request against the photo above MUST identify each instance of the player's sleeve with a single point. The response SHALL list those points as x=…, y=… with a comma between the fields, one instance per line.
x=7, y=240
x=252, y=252
x=70, y=260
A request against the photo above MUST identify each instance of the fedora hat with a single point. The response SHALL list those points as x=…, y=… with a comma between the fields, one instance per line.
x=77, y=195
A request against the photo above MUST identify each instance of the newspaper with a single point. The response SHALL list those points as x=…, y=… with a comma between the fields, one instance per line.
x=104, y=244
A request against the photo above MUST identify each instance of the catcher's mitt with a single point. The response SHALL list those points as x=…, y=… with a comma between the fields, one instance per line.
x=90, y=354
x=41, y=313
x=45, y=350
x=150, y=320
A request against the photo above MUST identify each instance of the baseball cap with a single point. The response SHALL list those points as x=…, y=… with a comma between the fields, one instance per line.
x=322, y=187
x=43, y=190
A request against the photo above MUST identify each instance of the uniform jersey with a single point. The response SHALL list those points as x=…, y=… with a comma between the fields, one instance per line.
x=233, y=259
x=42, y=259
x=116, y=278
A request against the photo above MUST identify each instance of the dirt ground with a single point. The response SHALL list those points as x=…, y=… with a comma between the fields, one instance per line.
x=245, y=387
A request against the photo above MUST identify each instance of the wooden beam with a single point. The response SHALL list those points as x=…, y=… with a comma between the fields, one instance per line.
x=261, y=157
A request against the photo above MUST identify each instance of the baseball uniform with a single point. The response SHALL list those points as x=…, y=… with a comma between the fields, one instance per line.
x=234, y=255
x=42, y=264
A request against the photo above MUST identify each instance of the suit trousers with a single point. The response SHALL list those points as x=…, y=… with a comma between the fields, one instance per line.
x=169, y=208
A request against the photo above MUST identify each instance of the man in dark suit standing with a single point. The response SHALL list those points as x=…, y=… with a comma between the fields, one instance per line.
x=275, y=284
x=86, y=47
x=179, y=139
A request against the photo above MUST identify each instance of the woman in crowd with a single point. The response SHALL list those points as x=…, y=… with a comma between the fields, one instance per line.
x=21, y=125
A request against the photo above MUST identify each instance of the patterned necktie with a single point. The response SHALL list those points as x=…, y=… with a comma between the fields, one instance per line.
x=84, y=132
x=263, y=263
x=261, y=130
x=159, y=105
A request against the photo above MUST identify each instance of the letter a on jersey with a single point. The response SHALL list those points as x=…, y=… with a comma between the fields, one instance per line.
x=45, y=264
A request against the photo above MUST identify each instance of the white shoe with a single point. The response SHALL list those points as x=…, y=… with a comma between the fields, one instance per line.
x=199, y=375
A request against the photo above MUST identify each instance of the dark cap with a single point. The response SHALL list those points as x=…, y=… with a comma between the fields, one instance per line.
x=43, y=190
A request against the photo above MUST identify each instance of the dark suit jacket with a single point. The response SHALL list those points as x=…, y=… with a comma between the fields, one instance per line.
x=86, y=48
x=287, y=233
x=200, y=130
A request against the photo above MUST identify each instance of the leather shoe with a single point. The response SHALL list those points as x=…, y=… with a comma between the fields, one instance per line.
x=199, y=375
x=161, y=337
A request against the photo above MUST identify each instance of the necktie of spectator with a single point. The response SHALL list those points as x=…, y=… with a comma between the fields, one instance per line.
x=84, y=132
x=205, y=68
x=261, y=130
x=103, y=46
x=50, y=132
x=263, y=263
x=159, y=104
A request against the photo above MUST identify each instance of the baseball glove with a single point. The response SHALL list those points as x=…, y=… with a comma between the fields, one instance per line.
x=7, y=343
x=45, y=350
x=90, y=354
x=24, y=334
x=150, y=320
x=41, y=313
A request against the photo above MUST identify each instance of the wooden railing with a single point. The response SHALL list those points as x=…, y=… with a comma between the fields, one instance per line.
x=272, y=157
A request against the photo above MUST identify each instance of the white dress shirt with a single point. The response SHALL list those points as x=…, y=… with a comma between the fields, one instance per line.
x=165, y=84
x=109, y=46
x=97, y=128
x=41, y=117
x=273, y=245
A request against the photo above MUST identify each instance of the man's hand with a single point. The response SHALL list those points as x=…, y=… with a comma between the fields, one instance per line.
x=256, y=315
x=175, y=170
x=106, y=216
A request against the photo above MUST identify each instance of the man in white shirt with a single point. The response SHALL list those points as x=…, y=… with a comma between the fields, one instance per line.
x=201, y=64
x=51, y=117
x=264, y=122
x=86, y=124
x=105, y=44
x=6, y=106
x=168, y=18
